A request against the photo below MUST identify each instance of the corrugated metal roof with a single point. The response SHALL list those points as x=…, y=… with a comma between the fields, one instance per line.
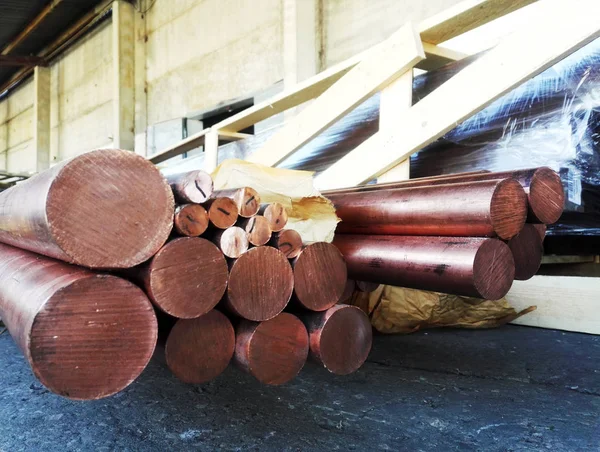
x=15, y=15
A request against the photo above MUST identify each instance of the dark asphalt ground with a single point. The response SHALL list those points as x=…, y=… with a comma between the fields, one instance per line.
x=510, y=389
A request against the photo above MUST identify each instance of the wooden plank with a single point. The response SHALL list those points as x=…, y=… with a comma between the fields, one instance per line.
x=383, y=65
x=192, y=142
x=395, y=98
x=519, y=57
x=466, y=16
x=123, y=75
x=19, y=60
x=299, y=41
x=41, y=117
x=438, y=56
x=569, y=303
x=211, y=151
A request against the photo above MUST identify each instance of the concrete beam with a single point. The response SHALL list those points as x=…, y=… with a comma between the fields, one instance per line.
x=41, y=117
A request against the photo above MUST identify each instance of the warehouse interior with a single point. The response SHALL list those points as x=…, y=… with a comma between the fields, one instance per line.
x=434, y=165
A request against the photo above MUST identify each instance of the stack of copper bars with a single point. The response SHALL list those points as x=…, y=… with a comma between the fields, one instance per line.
x=101, y=257
x=467, y=234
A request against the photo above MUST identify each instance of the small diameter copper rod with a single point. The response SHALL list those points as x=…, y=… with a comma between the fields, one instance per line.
x=190, y=220
x=273, y=351
x=275, y=214
x=103, y=209
x=527, y=249
x=191, y=187
x=319, y=276
x=257, y=228
x=199, y=350
x=340, y=338
x=475, y=267
x=288, y=241
x=85, y=335
x=247, y=199
x=366, y=286
x=260, y=284
x=222, y=212
x=233, y=241
x=470, y=209
x=185, y=279
x=543, y=187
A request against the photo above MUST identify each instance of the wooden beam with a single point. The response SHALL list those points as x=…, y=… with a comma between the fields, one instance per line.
x=381, y=66
x=299, y=41
x=31, y=26
x=567, y=303
x=123, y=75
x=19, y=60
x=438, y=56
x=192, y=142
x=211, y=151
x=465, y=16
x=519, y=57
x=41, y=117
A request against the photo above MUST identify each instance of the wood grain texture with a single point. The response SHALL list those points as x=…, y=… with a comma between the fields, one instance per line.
x=186, y=278
x=190, y=220
x=319, y=276
x=246, y=199
x=222, y=212
x=340, y=338
x=469, y=209
x=85, y=335
x=273, y=351
x=288, y=241
x=527, y=249
x=474, y=267
x=104, y=209
x=191, y=187
x=199, y=350
x=276, y=215
x=260, y=284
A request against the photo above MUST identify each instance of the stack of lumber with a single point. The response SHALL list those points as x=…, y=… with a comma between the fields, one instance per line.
x=468, y=234
x=100, y=257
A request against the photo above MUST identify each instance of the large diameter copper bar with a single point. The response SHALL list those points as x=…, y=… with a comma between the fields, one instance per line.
x=545, y=193
x=247, y=199
x=469, y=209
x=527, y=249
x=86, y=336
x=260, y=284
x=191, y=187
x=257, y=228
x=190, y=220
x=474, y=267
x=541, y=229
x=222, y=212
x=273, y=351
x=348, y=291
x=340, y=338
x=104, y=209
x=275, y=214
x=186, y=278
x=319, y=276
x=199, y=350
x=233, y=241
x=288, y=241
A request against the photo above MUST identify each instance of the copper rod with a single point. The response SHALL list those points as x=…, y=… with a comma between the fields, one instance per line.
x=469, y=209
x=185, y=279
x=319, y=276
x=257, y=228
x=222, y=212
x=191, y=187
x=85, y=335
x=340, y=338
x=103, y=209
x=247, y=199
x=276, y=214
x=199, y=350
x=288, y=241
x=233, y=241
x=475, y=267
x=366, y=286
x=541, y=229
x=273, y=351
x=543, y=187
x=260, y=284
x=348, y=291
x=190, y=220
x=527, y=249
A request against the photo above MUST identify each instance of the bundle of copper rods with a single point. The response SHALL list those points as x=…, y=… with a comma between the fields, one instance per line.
x=102, y=258
x=467, y=234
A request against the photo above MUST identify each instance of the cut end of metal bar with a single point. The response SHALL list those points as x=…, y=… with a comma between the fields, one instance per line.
x=233, y=242
x=223, y=212
x=546, y=196
x=508, y=209
x=527, y=249
x=193, y=186
x=190, y=220
x=276, y=215
x=493, y=269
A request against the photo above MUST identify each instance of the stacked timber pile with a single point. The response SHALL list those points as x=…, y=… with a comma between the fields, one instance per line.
x=468, y=234
x=101, y=257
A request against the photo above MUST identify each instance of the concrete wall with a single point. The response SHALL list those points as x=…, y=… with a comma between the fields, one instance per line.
x=17, y=153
